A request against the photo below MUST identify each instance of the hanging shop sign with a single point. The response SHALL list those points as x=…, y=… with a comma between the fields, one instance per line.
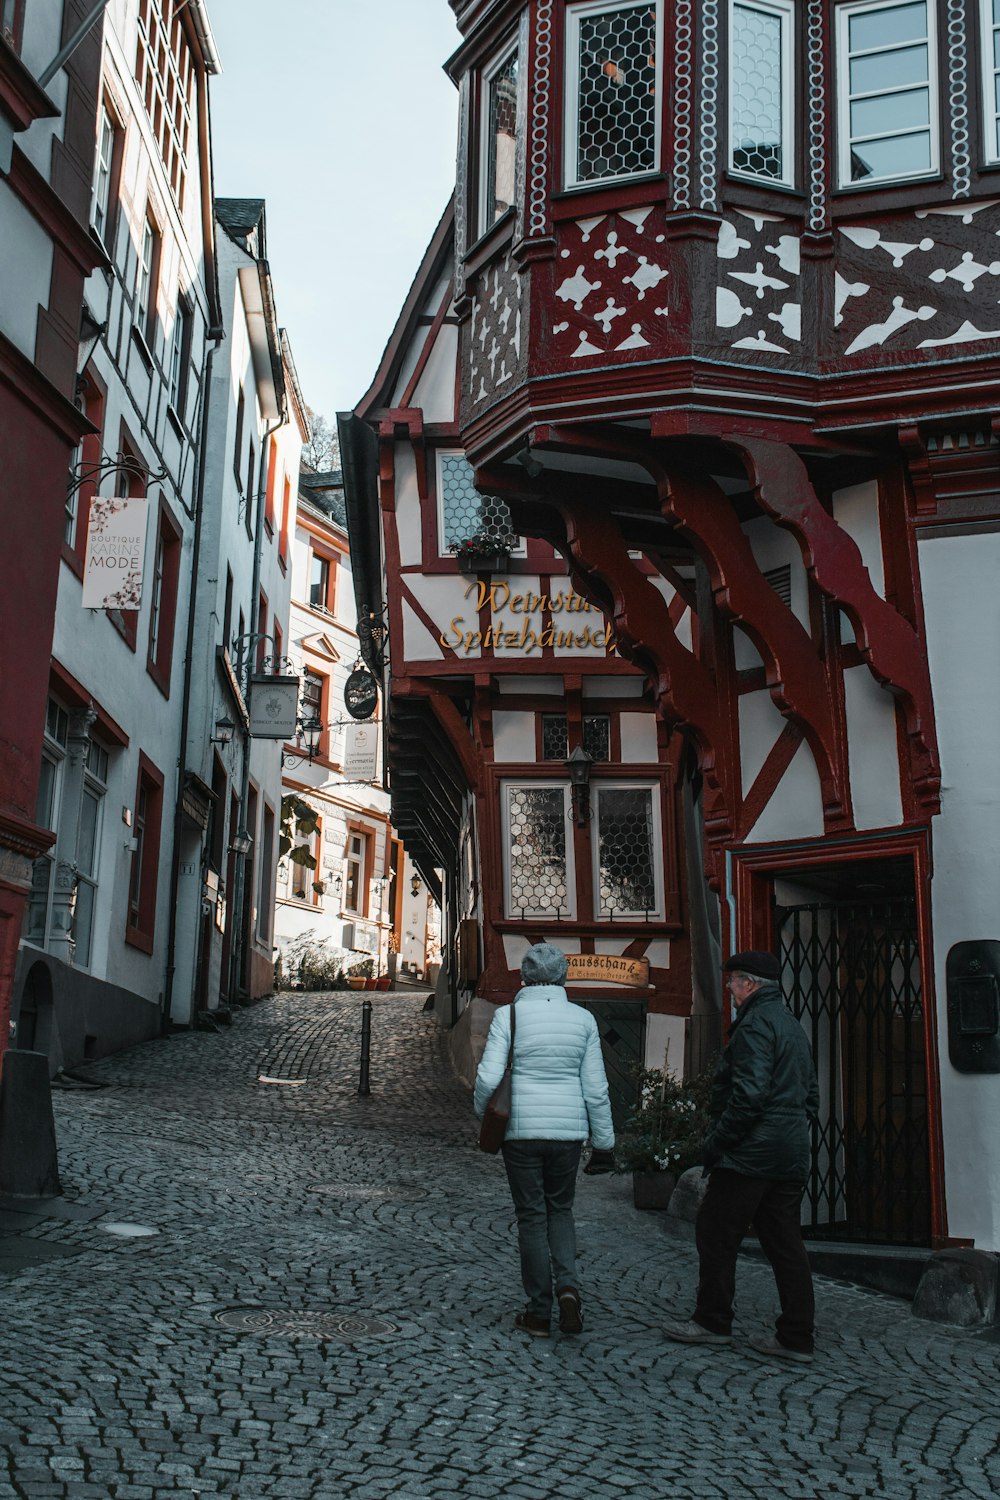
x=116, y=551
x=607, y=968
x=361, y=752
x=361, y=694
x=274, y=705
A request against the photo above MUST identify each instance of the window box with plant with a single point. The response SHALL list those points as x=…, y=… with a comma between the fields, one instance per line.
x=483, y=552
x=664, y=1134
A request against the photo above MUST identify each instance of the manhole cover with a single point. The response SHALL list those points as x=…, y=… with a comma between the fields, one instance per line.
x=401, y=1191
x=287, y=1323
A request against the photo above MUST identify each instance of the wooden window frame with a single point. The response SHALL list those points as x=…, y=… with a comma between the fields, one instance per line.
x=519, y=783
x=106, y=234
x=286, y=516
x=126, y=621
x=272, y=474
x=332, y=559
x=785, y=11
x=843, y=96
x=619, y=783
x=163, y=610
x=94, y=395
x=241, y=405
x=140, y=919
x=571, y=91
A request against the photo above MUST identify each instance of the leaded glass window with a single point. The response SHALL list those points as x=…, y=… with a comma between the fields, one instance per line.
x=760, y=89
x=612, y=101
x=990, y=12
x=555, y=737
x=537, y=852
x=463, y=511
x=499, y=128
x=627, y=851
x=887, y=91
x=597, y=736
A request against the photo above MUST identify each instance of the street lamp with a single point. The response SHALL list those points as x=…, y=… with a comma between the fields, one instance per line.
x=415, y=886
x=578, y=765
x=224, y=731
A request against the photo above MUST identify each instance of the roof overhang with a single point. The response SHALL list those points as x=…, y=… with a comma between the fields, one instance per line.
x=206, y=38
x=265, y=342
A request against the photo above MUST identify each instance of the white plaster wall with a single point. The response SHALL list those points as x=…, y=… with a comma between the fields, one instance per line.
x=773, y=548
x=873, y=752
x=665, y=1043
x=962, y=614
x=855, y=509
x=638, y=737
x=435, y=390
x=614, y=687
x=795, y=810
x=418, y=643
x=27, y=271
x=407, y=508
x=513, y=736
x=543, y=686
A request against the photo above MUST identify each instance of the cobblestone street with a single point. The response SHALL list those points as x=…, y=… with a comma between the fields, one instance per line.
x=380, y=1243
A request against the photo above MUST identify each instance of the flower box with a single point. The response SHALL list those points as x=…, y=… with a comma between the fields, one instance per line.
x=653, y=1189
x=482, y=562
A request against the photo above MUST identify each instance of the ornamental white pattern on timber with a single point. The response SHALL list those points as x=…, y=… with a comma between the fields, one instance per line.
x=817, y=118
x=958, y=97
x=541, y=86
x=708, y=155
x=496, y=343
x=682, y=104
x=766, y=271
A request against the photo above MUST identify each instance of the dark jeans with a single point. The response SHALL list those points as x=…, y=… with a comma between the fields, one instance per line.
x=732, y=1203
x=542, y=1177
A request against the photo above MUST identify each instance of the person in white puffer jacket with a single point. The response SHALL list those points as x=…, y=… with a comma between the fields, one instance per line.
x=559, y=1097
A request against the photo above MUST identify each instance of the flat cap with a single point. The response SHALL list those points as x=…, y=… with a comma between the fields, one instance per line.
x=754, y=962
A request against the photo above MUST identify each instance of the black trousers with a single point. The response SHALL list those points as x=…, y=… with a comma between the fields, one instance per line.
x=731, y=1204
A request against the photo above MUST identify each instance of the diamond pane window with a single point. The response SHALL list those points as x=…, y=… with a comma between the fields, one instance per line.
x=613, y=125
x=537, y=854
x=555, y=737
x=597, y=736
x=887, y=91
x=463, y=511
x=627, y=851
x=760, y=89
x=499, y=129
x=990, y=52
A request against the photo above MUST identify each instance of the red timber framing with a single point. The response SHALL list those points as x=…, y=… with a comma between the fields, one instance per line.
x=754, y=871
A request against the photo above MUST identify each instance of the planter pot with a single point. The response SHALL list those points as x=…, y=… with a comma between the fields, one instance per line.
x=382, y=984
x=370, y=984
x=484, y=562
x=653, y=1189
x=356, y=981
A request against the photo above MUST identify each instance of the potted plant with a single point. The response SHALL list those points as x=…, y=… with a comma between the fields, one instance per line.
x=483, y=552
x=663, y=1135
x=359, y=975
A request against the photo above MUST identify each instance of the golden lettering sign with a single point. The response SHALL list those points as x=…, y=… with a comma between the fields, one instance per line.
x=610, y=968
x=526, y=636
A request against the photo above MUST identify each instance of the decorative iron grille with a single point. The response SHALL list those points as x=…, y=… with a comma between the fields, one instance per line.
x=538, y=867
x=756, y=111
x=465, y=511
x=851, y=974
x=625, y=850
x=616, y=105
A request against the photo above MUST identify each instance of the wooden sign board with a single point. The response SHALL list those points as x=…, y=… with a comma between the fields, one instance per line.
x=608, y=968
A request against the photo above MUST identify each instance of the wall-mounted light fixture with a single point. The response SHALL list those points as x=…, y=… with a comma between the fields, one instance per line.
x=242, y=841
x=224, y=731
x=415, y=886
x=578, y=765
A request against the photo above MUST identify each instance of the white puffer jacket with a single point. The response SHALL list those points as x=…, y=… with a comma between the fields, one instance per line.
x=559, y=1086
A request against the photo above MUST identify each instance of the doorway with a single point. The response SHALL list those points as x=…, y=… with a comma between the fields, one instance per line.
x=847, y=937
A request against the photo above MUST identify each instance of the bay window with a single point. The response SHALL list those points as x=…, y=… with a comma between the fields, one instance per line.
x=887, y=91
x=761, y=116
x=990, y=41
x=612, y=125
x=497, y=131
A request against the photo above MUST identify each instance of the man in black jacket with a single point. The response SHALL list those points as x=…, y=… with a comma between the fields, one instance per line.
x=764, y=1095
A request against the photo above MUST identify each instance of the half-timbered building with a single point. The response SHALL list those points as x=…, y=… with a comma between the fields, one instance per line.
x=725, y=317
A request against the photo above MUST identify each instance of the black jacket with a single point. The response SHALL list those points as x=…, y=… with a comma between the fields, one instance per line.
x=764, y=1093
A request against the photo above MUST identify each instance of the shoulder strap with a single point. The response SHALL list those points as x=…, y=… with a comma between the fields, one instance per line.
x=513, y=1020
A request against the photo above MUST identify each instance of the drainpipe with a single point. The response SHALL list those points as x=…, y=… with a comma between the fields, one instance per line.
x=215, y=336
x=239, y=936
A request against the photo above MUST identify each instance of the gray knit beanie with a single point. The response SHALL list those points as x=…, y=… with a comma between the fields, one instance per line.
x=544, y=964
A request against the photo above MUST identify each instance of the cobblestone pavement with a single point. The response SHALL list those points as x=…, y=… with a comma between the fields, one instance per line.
x=137, y=1367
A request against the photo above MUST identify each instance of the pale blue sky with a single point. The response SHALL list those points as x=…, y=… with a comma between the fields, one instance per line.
x=338, y=113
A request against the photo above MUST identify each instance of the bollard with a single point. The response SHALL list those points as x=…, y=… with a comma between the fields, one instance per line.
x=366, y=1046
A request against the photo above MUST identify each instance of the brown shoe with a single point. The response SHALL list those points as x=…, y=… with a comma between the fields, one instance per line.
x=570, y=1313
x=528, y=1323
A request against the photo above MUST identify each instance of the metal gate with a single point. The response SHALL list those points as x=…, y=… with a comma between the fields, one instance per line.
x=851, y=974
x=621, y=1024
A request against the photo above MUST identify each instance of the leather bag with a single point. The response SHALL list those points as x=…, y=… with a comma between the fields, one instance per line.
x=496, y=1115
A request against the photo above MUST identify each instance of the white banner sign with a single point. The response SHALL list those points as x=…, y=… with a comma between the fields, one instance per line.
x=116, y=550
x=361, y=752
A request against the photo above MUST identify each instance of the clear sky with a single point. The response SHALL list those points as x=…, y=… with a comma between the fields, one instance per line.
x=338, y=114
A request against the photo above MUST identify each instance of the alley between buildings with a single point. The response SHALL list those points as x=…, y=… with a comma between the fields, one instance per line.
x=323, y=1309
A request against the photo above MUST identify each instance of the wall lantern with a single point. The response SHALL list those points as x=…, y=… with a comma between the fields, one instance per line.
x=578, y=765
x=415, y=886
x=224, y=731
x=242, y=841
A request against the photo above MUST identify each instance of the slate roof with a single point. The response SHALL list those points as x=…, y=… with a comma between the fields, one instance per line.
x=326, y=492
x=239, y=217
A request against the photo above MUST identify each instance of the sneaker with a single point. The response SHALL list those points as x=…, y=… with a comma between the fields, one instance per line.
x=693, y=1333
x=529, y=1323
x=570, y=1313
x=773, y=1350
